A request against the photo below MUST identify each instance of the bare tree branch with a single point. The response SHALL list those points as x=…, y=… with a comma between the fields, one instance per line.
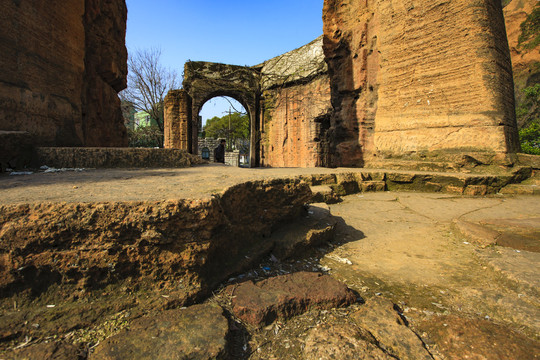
x=148, y=83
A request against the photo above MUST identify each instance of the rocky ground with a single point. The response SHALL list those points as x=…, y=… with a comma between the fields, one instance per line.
x=379, y=275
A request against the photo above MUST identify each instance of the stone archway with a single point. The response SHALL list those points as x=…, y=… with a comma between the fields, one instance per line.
x=204, y=81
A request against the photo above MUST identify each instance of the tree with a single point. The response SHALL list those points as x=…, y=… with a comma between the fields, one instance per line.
x=148, y=83
x=218, y=127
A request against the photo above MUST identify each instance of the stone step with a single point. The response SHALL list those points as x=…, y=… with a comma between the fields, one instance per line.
x=354, y=182
x=314, y=229
x=521, y=189
x=439, y=166
x=324, y=194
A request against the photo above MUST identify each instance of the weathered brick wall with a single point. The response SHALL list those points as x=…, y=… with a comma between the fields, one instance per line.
x=296, y=92
x=351, y=32
x=293, y=119
x=177, y=118
x=62, y=63
x=411, y=76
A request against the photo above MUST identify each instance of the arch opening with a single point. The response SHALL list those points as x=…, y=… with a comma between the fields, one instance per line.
x=204, y=81
x=225, y=117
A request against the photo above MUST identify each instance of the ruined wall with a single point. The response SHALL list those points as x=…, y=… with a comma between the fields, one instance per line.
x=294, y=117
x=412, y=76
x=177, y=118
x=205, y=80
x=296, y=92
x=105, y=73
x=351, y=32
x=62, y=64
x=389, y=78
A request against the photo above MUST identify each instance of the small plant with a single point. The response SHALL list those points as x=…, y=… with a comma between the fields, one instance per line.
x=528, y=106
x=148, y=137
x=530, y=138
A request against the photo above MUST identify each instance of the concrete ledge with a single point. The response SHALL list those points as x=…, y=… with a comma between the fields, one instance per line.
x=74, y=157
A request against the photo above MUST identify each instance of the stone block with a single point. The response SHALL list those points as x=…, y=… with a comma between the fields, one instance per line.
x=282, y=297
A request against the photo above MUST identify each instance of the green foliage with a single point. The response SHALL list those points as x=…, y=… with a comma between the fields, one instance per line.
x=532, y=93
x=218, y=127
x=530, y=138
x=148, y=137
x=528, y=105
x=530, y=30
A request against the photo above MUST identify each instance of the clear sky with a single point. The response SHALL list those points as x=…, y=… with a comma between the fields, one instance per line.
x=239, y=32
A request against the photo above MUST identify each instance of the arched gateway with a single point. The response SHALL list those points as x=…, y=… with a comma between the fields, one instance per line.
x=202, y=82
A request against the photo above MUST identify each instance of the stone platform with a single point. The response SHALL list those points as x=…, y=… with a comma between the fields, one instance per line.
x=106, y=185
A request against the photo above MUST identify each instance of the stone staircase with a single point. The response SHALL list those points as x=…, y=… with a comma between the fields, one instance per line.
x=329, y=188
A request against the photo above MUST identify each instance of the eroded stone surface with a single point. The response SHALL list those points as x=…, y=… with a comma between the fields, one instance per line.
x=94, y=244
x=197, y=332
x=49, y=351
x=379, y=318
x=306, y=233
x=458, y=338
x=64, y=63
x=476, y=233
x=340, y=342
x=284, y=296
x=518, y=234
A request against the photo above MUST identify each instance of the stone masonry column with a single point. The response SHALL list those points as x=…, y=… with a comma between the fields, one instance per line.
x=177, y=116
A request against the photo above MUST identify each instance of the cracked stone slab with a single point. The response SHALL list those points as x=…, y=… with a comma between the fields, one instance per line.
x=342, y=341
x=520, y=266
x=391, y=332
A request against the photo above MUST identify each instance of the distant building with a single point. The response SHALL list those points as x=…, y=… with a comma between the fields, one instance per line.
x=143, y=119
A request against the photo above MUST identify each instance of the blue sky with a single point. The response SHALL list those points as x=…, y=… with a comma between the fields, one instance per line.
x=239, y=32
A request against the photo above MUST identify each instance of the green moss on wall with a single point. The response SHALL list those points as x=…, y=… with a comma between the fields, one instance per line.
x=530, y=30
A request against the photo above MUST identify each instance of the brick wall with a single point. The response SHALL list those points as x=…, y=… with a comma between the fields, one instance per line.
x=292, y=124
